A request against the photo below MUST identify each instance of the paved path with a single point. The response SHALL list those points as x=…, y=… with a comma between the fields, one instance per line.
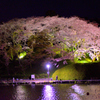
x=27, y=81
x=46, y=81
x=36, y=80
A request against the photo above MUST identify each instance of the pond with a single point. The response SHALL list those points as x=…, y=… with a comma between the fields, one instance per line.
x=51, y=92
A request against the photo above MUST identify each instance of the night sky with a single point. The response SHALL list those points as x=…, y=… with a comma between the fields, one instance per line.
x=10, y=9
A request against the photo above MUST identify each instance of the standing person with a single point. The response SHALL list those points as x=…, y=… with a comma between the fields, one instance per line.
x=56, y=77
x=13, y=79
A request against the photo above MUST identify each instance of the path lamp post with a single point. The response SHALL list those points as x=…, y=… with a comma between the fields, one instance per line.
x=48, y=66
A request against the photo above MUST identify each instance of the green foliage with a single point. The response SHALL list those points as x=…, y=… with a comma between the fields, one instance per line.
x=57, y=56
x=39, y=42
x=31, y=40
x=78, y=71
x=72, y=49
x=87, y=55
x=83, y=61
x=64, y=38
x=43, y=75
x=56, y=50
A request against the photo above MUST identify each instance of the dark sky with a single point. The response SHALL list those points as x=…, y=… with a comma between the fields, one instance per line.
x=10, y=9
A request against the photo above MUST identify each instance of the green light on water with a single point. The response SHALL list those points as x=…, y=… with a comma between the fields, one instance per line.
x=22, y=55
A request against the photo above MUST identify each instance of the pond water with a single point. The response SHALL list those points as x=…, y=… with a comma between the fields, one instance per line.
x=51, y=92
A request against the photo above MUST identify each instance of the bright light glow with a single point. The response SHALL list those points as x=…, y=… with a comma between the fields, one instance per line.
x=48, y=66
x=22, y=55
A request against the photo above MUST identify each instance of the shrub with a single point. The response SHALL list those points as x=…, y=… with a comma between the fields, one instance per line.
x=69, y=72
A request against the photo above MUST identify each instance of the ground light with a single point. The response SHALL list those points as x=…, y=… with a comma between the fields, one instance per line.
x=48, y=66
x=87, y=60
x=22, y=55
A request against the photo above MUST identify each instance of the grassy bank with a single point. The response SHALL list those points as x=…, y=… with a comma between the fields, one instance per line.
x=78, y=72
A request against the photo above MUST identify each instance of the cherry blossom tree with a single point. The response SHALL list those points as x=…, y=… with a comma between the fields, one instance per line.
x=51, y=38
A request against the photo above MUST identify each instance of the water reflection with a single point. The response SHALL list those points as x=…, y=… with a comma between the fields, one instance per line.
x=75, y=96
x=48, y=93
x=20, y=93
x=33, y=85
x=78, y=89
x=78, y=92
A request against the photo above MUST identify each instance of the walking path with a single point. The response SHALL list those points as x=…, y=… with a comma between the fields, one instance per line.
x=49, y=81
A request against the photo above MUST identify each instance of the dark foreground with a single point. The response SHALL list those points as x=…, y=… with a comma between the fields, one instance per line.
x=50, y=92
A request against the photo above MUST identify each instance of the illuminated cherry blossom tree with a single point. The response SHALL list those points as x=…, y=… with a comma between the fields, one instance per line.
x=51, y=38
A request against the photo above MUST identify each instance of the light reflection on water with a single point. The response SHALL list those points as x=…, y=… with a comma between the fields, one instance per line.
x=78, y=92
x=78, y=89
x=50, y=92
x=75, y=96
x=21, y=93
